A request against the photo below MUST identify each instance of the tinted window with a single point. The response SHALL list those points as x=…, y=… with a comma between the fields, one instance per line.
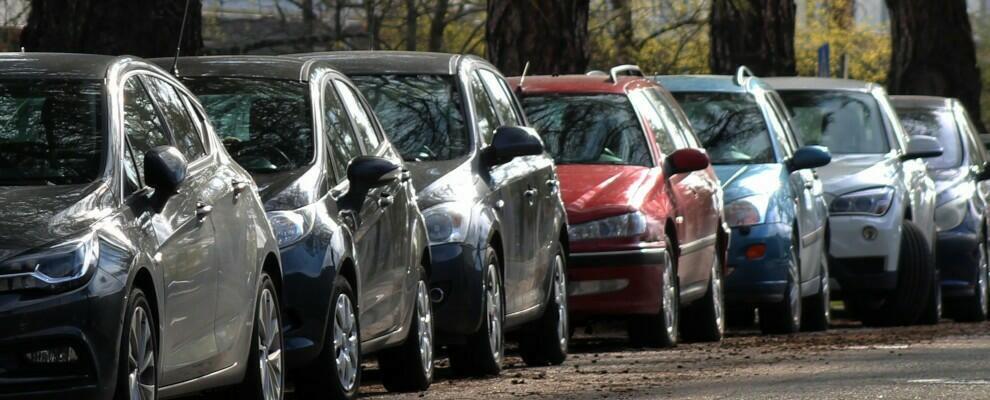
x=51, y=132
x=340, y=135
x=845, y=122
x=730, y=126
x=501, y=98
x=939, y=124
x=184, y=131
x=363, y=126
x=589, y=129
x=266, y=125
x=484, y=110
x=142, y=124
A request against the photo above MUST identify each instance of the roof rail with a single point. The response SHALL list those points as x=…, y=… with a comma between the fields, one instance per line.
x=627, y=69
x=596, y=72
x=742, y=73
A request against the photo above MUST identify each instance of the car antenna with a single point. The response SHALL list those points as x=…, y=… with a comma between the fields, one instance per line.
x=522, y=78
x=178, y=46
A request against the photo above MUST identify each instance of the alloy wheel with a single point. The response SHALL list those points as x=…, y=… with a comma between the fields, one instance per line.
x=560, y=297
x=493, y=297
x=981, y=280
x=424, y=326
x=826, y=290
x=717, y=295
x=669, y=299
x=141, y=361
x=345, y=342
x=270, y=347
x=794, y=287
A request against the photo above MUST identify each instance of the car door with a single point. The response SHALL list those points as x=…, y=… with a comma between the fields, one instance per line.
x=186, y=251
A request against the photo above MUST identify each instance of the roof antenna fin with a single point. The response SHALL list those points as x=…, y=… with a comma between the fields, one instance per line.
x=178, y=46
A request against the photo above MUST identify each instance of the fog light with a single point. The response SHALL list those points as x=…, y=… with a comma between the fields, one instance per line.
x=56, y=355
x=756, y=251
x=870, y=233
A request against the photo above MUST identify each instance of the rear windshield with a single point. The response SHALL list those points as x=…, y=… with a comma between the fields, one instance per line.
x=589, y=129
x=51, y=132
x=421, y=114
x=730, y=126
x=939, y=124
x=845, y=122
x=265, y=124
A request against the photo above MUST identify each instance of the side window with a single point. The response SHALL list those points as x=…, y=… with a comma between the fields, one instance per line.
x=132, y=178
x=680, y=133
x=340, y=137
x=198, y=119
x=782, y=126
x=667, y=140
x=501, y=98
x=363, y=125
x=142, y=124
x=184, y=131
x=977, y=153
x=484, y=111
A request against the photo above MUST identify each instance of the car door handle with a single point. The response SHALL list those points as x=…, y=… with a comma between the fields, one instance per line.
x=809, y=185
x=385, y=200
x=405, y=176
x=531, y=193
x=202, y=210
x=554, y=185
x=239, y=187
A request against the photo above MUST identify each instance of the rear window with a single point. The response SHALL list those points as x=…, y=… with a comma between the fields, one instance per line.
x=589, y=129
x=731, y=126
x=938, y=124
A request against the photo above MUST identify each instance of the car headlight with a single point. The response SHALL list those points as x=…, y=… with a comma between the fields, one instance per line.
x=747, y=211
x=951, y=214
x=292, y=226
x=61, y=267
x=625, y=225
x=448, y=222
x=874, y=201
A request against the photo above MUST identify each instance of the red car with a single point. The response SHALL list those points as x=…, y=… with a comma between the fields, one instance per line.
x=643, y=204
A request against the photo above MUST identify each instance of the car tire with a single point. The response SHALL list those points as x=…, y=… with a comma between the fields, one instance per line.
x=661, y=329
x=974, y=308
x=817, y=310
x=409, y=367
x=139, y=342
x=485, y=349
x=704, y=321
x=325, y=379
x=265, y=377
x=915, y=276
x=546, y=339
x=932, y=313
x=785, y=317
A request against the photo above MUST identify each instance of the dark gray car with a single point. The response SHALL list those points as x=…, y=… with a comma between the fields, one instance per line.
x=135, y=258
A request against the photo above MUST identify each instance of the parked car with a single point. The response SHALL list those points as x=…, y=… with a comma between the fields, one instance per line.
x=115, y=194
x=774, y=200
x=644, y=207
x=490, y=196
x=961, y=176
x=881, y=201
x=353, y=242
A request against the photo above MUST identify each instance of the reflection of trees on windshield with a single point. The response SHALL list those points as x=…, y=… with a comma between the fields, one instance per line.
x=421, y=114
x=845, y=122
x=266, y=125
x=938, y=124
x=51, y=132
x=730, y=126
x=589, y=129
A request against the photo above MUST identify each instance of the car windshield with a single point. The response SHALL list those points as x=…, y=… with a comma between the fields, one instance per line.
x=265, y=124
x=730, y=125
x=421, y=114
x=589, y=129
x=51, y=132
x=939, y=124
x=845, y=122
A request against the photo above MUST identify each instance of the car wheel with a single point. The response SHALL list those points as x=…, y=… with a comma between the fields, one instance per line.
x=785, y=317
x=818, y=311
x=705, y=320
x=138, y=377
x=916, y=277
x=409, y=367
x=662, y=329
x=547, y=338
x=337, y=372
x=974, y=308
x=265, y=379
x=485, y=349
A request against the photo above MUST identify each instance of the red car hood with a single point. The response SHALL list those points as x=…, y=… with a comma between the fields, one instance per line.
x=597, y=191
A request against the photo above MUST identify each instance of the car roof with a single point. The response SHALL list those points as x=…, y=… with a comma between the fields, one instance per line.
x=808, y=83
x=578, y=84
x=391, y=62
x=58, y=65
x=709, y=83
x=932, y=102
x=268, y=67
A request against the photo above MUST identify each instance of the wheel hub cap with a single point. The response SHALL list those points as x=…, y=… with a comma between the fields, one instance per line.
x=270, y=347
x=141, y=357
x=345, y=342
x=560, y=297
x=494, y=299
x=424, y=326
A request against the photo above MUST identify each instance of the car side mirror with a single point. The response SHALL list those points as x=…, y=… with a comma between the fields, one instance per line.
x=510, y=142
x=165, y=169
x=922, y=147
x=809, y=157
x=686, y=160
x=370, y=172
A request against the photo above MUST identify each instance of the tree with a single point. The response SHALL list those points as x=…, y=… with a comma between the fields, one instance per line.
x=755, y=33
x=623, y=32
x=934, y=53
x=145, y=28
x=552, y=35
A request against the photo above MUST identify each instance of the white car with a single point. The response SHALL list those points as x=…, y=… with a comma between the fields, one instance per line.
x=881, y=201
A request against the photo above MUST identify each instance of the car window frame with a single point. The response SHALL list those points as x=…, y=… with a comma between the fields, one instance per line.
x=501, y=87
x=146, y=77
x=363, y=106
x=329, y=87
x=470, y=74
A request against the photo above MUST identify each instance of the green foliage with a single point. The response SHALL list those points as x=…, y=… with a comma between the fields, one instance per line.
x=981, y=28
x=867, y=47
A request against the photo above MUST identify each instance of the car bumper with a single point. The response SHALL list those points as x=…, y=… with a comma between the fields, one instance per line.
x=307, y=278
x=762, y=280
x=615, y=282
x=87, y=319
x=456, y=289
x=864, y=251
x=958, y=257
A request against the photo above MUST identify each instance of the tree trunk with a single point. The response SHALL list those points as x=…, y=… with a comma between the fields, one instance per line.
x=144, y=28
x=438, y=24
x=309, y=22
x=623, y=34
x=933, y=52
x=756, y=33
x=552, y=35
x=412, y=24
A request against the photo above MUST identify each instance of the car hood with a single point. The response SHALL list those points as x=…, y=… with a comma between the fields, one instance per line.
x=444, y=181
x=743, y=180
x=850, y=172
x=34, y=216
x=290, y=190
x=597, y=191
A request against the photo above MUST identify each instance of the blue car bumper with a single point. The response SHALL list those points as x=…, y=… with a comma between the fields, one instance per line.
x=761, y=280
x=958, y=256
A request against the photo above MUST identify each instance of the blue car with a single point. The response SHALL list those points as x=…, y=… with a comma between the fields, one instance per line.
x=773, y=200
